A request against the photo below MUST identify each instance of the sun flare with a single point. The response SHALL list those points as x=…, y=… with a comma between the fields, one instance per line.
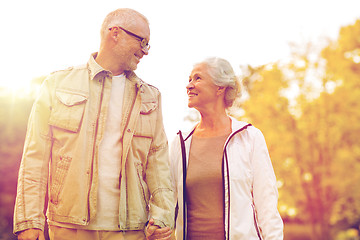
x=14, y=85
x=18, y=89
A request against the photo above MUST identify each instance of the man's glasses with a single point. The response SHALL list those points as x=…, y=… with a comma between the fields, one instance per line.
x=143, y=42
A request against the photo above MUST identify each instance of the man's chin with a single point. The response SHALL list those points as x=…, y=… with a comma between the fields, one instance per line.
x=133, y=67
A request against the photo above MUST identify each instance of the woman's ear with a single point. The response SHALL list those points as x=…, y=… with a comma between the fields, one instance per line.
x=220, y=90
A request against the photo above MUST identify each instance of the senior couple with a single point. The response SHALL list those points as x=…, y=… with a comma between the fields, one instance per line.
x=96, y=155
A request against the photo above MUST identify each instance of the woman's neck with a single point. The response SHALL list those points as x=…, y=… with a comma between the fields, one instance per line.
x=213, y=125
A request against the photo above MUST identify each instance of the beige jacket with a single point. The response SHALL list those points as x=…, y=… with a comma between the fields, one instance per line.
x=61, y=147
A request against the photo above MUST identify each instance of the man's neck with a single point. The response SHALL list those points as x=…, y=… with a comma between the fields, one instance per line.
x=106, y=62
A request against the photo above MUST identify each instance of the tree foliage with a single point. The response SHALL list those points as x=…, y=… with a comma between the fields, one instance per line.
x=309, y=111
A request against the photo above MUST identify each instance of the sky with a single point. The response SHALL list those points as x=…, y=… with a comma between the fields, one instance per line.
x=42, y=36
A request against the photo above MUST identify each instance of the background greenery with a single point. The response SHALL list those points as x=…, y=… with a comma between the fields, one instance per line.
x=308, y=108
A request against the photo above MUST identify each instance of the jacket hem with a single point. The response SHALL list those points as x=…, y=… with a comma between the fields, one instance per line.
x=22, y=226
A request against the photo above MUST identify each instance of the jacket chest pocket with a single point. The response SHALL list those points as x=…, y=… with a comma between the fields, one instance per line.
x=147, y=119
x=68, y=110
x=144, y=131
x=143, y=137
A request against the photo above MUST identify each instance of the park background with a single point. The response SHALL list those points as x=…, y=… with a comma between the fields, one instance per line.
x=299, y=62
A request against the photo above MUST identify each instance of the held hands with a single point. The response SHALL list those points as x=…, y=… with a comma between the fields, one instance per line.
x=154, y=232
x=31, y=234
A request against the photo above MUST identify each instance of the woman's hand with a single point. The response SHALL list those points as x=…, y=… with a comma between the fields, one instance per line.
x=154, y=232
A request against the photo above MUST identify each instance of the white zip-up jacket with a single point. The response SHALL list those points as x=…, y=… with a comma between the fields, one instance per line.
x=250, y=189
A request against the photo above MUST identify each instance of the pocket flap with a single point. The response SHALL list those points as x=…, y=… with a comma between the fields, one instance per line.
x=70, y=98
x=68, y=110
x=148, y=107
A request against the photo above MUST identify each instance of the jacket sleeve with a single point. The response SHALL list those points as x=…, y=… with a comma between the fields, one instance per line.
x=158, y=176
x=265, y=192
x=33, y=172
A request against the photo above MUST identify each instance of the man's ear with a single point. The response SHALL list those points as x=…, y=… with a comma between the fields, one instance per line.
x=114, y=33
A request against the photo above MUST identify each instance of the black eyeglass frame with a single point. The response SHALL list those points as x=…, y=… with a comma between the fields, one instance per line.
x=143, y=42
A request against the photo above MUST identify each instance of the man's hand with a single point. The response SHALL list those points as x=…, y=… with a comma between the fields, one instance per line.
x=31, y=234
x=154, y=232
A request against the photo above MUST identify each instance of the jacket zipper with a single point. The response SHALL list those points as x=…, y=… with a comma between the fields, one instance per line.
x=184, y=170
x=255, y=222
x=226, y=162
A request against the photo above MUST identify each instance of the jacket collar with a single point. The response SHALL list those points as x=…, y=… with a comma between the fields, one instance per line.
x=94, y=69
x=134, y=78
x=235, y=126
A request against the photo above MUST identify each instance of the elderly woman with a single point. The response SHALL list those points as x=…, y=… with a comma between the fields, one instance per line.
x=222, y=173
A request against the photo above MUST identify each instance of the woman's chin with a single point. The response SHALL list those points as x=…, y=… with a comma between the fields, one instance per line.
x=191, y=105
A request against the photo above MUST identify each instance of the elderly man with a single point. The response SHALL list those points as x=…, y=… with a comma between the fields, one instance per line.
x=96, y=143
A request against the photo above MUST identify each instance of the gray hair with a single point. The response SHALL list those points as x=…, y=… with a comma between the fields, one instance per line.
x=222, y=75
x=123, y=17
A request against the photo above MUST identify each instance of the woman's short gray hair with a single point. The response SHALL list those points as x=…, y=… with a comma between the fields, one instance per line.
x=222, y=75
x=123, y=17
